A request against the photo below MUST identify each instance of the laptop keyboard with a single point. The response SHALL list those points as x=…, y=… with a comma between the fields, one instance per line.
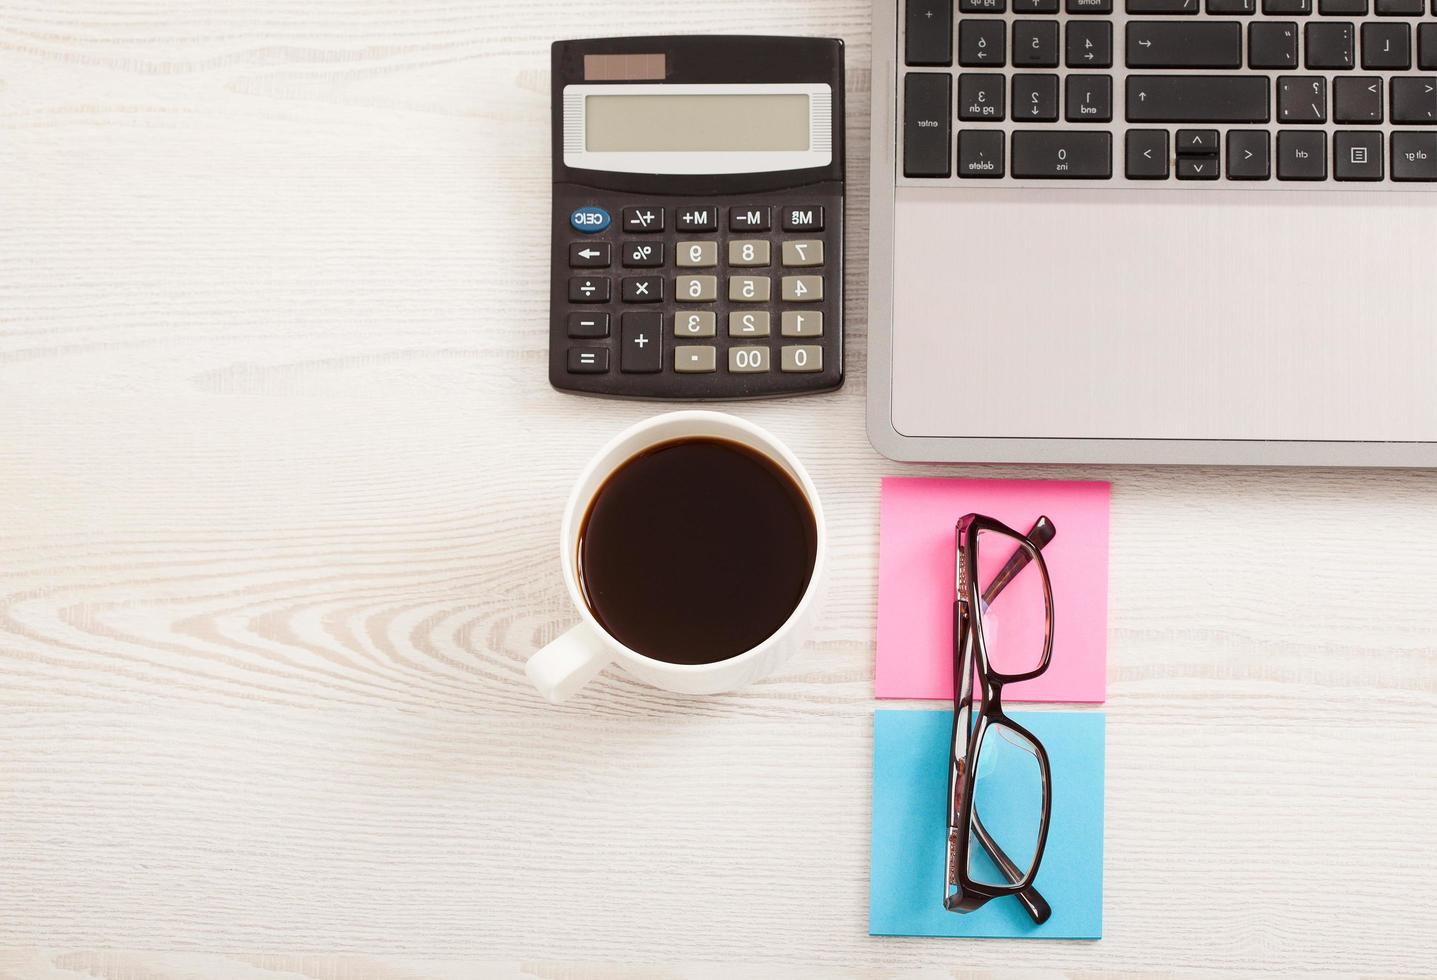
x=1206, y=91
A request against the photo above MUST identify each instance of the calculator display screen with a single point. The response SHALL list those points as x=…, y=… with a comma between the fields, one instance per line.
x=692, y=128
x=663, y=123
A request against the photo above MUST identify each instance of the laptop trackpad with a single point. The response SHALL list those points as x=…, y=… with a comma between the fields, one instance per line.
x=1076, y=313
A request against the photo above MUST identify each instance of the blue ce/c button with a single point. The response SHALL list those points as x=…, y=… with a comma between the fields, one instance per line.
x=589, y=219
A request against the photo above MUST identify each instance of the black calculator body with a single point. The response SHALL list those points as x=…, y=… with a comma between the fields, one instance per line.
x=697, y=217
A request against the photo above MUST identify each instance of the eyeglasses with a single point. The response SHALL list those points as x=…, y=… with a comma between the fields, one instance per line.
x=999, y=785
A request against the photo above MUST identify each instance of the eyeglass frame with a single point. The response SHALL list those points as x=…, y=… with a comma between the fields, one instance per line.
x=968, y=641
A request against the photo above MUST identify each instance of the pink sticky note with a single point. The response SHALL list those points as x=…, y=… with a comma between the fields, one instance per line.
x=915, y=582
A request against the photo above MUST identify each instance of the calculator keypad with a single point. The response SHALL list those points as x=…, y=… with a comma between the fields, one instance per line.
x=695, y=299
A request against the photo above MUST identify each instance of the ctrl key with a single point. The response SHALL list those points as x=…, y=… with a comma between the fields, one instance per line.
x=588, y=360
x=980, y=153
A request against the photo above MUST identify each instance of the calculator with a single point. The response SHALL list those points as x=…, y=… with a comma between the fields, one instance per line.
x=697, y=217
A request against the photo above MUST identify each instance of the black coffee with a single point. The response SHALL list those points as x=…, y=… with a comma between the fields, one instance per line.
x=696, y=550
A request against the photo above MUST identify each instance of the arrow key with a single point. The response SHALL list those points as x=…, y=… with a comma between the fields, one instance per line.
x=1248, y=155
x=590, y=255
x=1197, y=168
x=1147, y=154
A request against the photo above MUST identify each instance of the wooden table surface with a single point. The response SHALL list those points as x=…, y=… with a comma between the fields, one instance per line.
x=280, y=484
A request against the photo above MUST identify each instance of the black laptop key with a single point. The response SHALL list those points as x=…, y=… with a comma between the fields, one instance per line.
x=1089, y=98
x=1089, y=44
x=1302, y=154
x=1357, y=155
x=1035, y=98
x=1427, y=46
x=1414, y=100
x=1387, y=46
x=927, y=109
x=1272, y=44
x=1196, y=142
x=1342, y=8
x=1197, y=168
x=980, y=153
x=929, y=37
x=981, y=97
x=1299, y=7
x=1357, y=99
x=1242, y=8
x=1035, y=6
x=1162, y=6
x=982, y=43
x=1035, y=44
x=982, y=6
x=1301, y=99
x=1414, y=156
x=1329, y=46
x=1248, y=154
x=1400, y=8
x=1145, y=154
x=1184, y=44
x=1062, y=155
x=1198, y=99
x=1089, y=6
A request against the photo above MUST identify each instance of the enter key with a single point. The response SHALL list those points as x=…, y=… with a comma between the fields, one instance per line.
x=1184, y=44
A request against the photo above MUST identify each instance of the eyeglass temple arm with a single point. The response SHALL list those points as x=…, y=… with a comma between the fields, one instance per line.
x=1034, y=903
x=1041, y=533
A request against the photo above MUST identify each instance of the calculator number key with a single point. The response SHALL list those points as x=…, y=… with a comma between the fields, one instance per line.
x=696, y=289
x=801, y=323
x=802, y=289
x=695, y=360
x=748, y=360
x=696, y=255
x=751, y=252
x=643, y=255
x=697, y=219
x=643, y=220
x=801, y=360
x=590, y=255
x=748, y=289
x=694, y=323
x=746, y=323
x=803, y=252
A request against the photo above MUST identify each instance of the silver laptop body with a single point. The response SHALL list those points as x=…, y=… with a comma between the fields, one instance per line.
x=1145, y=321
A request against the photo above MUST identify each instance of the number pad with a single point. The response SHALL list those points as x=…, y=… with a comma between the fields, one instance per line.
x=705, y=299
x=748, y=323
x=696, y=289
x=694, y=323
x=748, y=360
x=696, y=255
x=747, y=253
x=803, y=252
x=749, y=289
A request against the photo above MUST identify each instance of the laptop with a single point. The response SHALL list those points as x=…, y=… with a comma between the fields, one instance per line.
x=1154, y=231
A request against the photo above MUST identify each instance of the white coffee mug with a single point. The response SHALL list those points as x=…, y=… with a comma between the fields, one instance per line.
x=571, y=661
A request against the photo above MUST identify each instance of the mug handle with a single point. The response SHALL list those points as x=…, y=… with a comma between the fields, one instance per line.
x=568, y=663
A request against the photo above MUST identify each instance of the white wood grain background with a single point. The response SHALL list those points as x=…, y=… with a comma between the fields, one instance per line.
x=280, y=482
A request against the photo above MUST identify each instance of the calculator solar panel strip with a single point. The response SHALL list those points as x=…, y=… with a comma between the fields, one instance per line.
x=1154, y=231
x=720, y=277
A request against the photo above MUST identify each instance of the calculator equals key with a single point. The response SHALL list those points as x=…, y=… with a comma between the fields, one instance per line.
x=697, y=249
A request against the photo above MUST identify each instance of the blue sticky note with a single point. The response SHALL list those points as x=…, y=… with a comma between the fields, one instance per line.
x=910, y=775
